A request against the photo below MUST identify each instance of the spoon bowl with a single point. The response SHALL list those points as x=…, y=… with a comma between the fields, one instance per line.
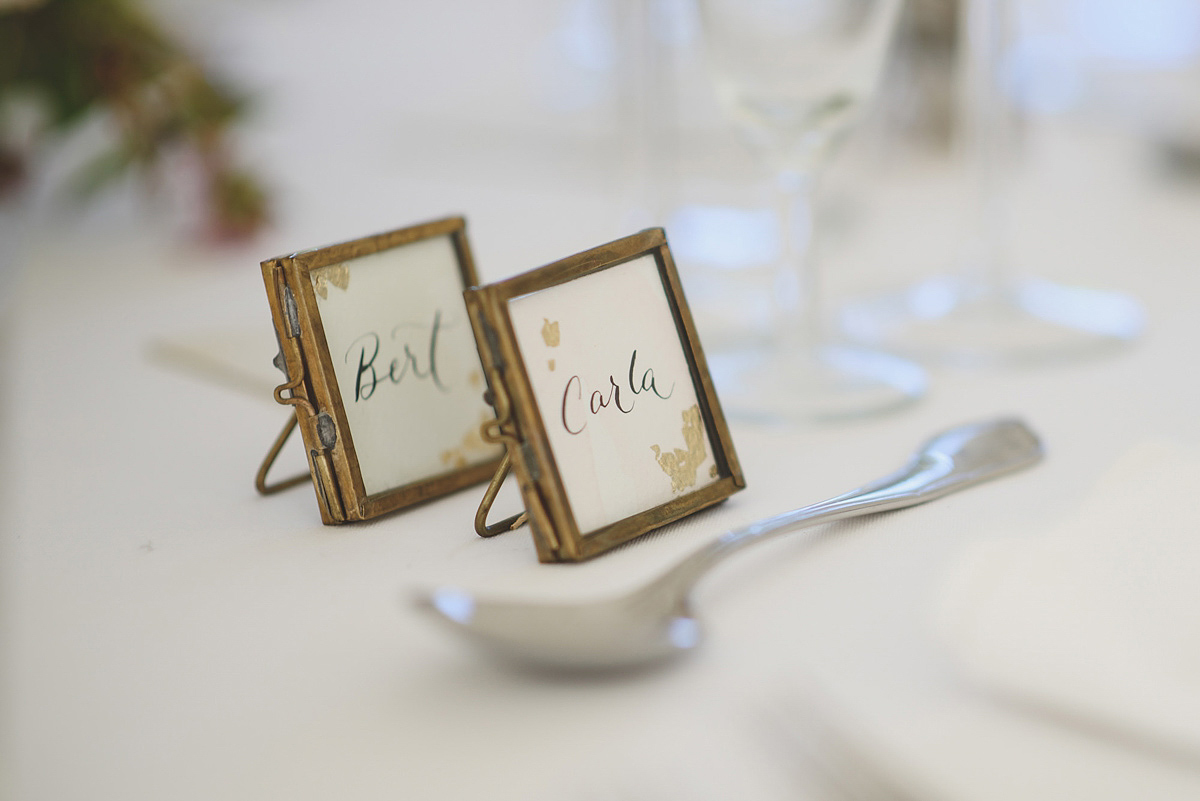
x=654, y=622
x=646, y=626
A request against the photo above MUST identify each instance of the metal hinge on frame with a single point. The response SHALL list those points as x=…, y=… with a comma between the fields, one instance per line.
x=291, y=313
x=291, y=393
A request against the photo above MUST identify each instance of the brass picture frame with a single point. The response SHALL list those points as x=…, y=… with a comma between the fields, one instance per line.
x=390, y=417
x=546, y=335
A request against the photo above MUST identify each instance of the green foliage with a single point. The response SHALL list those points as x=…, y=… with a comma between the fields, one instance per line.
x=80, y=56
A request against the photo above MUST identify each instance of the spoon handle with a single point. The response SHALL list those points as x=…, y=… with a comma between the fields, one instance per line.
x=953, y=460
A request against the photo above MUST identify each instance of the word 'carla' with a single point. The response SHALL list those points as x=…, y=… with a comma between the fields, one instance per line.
x=575, y=410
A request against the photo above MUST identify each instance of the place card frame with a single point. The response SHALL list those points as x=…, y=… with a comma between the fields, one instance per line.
x=312, y=391
x=519, y=424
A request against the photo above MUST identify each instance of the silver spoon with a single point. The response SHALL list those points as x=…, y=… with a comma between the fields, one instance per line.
x=655, y=621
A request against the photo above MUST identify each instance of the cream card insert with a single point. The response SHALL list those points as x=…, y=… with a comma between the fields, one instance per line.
x=405, y=361
x=614, y=391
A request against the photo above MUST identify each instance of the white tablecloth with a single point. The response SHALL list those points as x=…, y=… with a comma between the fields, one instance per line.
x=168, y=634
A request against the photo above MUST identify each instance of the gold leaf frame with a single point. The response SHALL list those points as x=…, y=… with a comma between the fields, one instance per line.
x=519, y=425
x=312, y=388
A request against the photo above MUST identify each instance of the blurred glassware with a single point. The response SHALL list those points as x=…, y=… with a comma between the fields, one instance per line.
x=718, y=204
x=794, y=76
x=987, y=315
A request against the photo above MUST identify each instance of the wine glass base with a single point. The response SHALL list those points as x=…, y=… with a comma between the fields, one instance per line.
x=948, y=321
x=826, y=384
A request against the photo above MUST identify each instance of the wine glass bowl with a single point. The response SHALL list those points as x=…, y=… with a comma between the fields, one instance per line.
x=794, y=77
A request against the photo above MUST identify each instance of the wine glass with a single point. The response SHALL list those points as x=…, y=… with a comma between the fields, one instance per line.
x=987, y=315
x=795, y=75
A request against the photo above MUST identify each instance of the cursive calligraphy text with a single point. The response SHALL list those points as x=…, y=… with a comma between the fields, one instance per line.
x=575, y=411
x=419, y=360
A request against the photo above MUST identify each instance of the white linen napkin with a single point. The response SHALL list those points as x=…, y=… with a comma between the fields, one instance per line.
x=1099, y=620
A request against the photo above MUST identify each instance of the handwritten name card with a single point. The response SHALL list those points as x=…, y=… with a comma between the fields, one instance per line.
x=617, y=428
x=405, y=361
x=614, y=391
x=389, y=394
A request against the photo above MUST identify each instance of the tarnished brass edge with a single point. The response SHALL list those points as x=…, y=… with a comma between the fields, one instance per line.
x=725, y=455
x=289, y=334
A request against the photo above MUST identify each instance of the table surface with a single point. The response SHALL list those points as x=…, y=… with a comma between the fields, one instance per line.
x=169, y=634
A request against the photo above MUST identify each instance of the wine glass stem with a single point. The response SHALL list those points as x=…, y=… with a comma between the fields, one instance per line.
x=796, y=292
x=985, y=143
